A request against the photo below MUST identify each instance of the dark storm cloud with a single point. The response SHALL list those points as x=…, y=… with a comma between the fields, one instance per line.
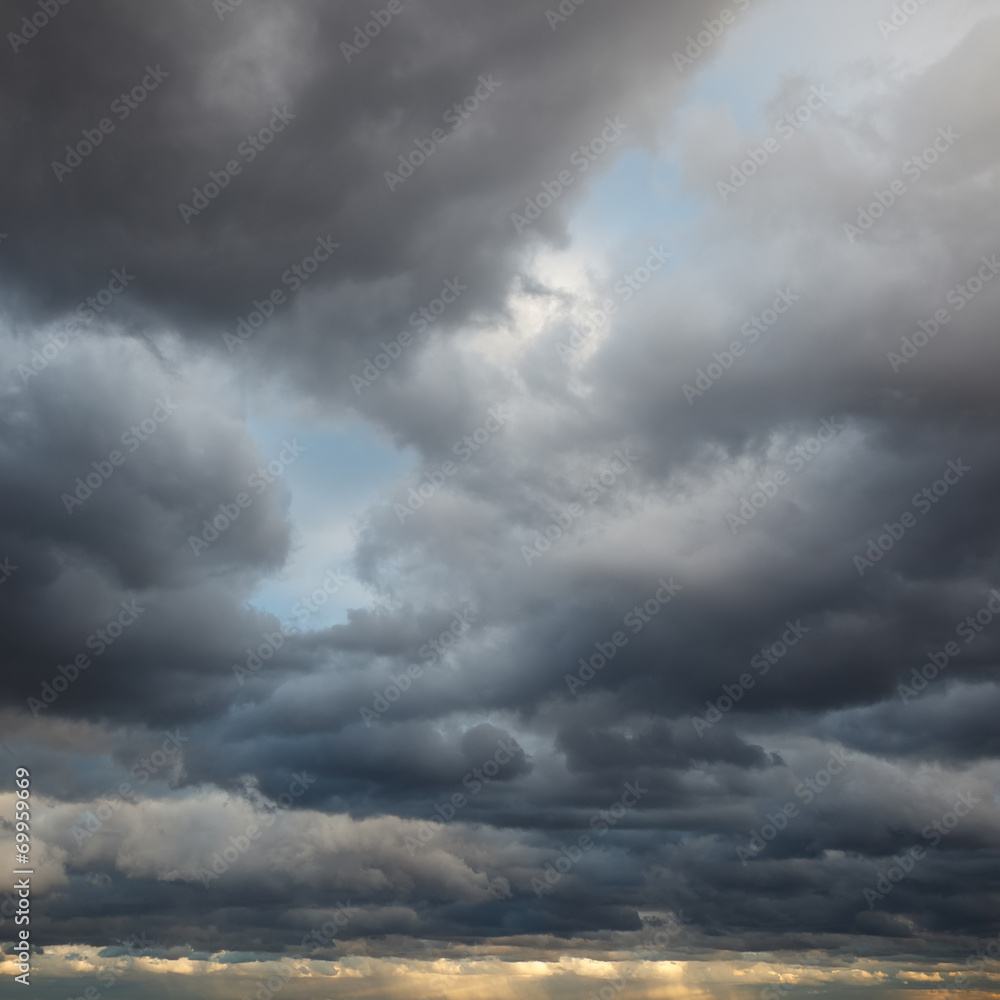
x=748, y=575
x=323, y=175
x=112, y=466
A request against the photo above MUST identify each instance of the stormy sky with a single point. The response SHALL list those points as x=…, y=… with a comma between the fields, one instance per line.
x=500, y=499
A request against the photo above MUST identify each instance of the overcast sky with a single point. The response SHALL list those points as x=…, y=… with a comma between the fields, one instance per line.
x=501, y=499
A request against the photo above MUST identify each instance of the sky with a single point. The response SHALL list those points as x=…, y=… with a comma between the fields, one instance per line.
x=499, y=499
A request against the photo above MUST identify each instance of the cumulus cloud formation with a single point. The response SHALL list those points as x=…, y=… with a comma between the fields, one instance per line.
x=500, y=497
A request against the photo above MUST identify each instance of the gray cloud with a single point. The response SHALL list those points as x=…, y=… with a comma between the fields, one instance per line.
x=811, y=487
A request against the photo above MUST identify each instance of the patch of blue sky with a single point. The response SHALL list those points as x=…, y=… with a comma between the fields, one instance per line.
x=633, y=206
x=341, y=472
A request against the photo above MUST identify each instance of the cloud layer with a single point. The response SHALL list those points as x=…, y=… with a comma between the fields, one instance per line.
x=694, y=558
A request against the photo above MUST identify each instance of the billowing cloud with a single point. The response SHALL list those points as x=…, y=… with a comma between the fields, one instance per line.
x=672, y=586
